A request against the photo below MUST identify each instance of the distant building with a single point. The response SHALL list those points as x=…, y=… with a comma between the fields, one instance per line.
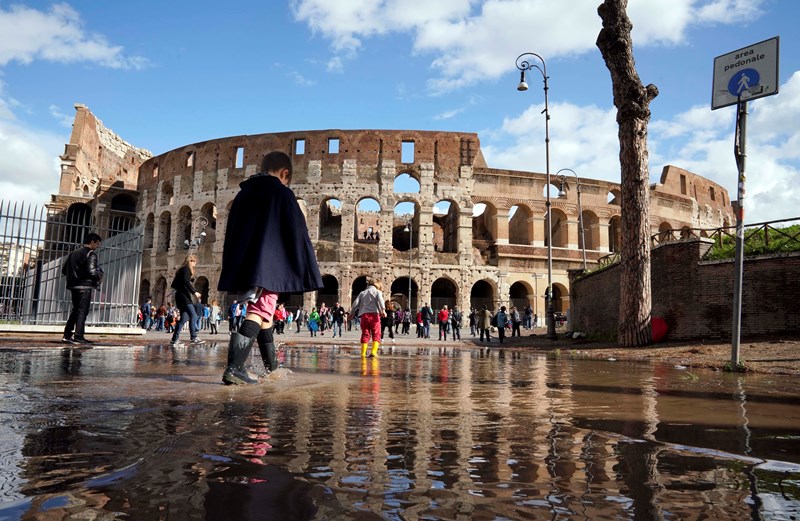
x=484, y=244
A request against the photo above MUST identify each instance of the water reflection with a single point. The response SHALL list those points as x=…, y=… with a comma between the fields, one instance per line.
x=413, y=434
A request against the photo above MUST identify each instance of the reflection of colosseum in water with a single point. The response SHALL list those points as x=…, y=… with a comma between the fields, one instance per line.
x=478, y=232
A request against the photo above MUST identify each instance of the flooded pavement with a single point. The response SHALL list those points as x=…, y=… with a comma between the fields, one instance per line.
x=418, y=433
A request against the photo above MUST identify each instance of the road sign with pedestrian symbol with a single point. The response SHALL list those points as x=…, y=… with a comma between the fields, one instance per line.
x=748, y=73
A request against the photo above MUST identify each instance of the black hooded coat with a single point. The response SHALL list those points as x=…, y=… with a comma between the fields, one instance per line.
x=266, y=241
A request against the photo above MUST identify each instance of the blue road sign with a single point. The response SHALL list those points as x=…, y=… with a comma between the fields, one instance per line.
x=743, y=81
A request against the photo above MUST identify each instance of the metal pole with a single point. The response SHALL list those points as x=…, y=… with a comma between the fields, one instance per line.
x=410, y=247
x=563, y=179
x=580, y=223
x=523, y=66
x=740, y=141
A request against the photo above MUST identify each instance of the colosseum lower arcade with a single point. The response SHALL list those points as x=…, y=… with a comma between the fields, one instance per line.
x=421, y=210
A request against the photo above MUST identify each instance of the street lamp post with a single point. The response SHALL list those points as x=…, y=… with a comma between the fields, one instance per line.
x=536, y=277
x=524, y=64
x=561, y=193
x=410, y=229
x=199, y=223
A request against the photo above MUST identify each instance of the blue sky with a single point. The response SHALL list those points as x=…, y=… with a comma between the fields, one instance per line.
x=167, y=74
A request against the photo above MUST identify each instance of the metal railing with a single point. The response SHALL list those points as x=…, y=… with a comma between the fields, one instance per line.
x=759, y=238
x=34, y=243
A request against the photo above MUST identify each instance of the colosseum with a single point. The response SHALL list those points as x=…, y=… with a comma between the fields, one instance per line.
x=419, y=209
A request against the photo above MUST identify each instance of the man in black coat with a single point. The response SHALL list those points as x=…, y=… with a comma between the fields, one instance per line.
x=83, y=274
x=267, y=251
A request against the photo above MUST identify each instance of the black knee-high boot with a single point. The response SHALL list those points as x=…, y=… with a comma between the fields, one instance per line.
x=266, y=345
x=238, y=351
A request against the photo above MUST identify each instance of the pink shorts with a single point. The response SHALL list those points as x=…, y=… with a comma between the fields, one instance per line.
x=264, y=307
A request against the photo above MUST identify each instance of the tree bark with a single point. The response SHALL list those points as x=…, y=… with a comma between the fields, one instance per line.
x=632, y=100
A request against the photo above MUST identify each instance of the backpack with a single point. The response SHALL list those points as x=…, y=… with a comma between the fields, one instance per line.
x=493, y=321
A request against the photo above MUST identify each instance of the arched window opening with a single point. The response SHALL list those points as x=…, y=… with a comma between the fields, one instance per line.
x=445, y=227
x=482, y=294
x=520, y=228
x=329, y=294
x=400, y=292
x=484, y=222
x=559, y=229
x=164, y=232
x=405, y=227
x=149, y=231
x=367, y=221
x=518, y=296
x=443, y=293
x=405, y=183
x=330, y=220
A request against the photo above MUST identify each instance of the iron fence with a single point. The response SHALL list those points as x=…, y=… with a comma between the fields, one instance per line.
x=34, y=243
x=759, y=238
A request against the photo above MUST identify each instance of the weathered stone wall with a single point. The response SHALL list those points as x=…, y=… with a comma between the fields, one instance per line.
x=449, y=166
x=695, y=297
x=455, y=258
x=97, y=166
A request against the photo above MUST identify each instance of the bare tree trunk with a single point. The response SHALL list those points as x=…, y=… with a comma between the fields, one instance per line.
x=633, y=114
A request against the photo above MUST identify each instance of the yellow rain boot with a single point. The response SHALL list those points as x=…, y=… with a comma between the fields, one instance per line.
x=375, y=346
x=363, y=350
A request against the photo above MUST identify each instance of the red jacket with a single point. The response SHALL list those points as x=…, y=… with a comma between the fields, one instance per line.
x=444, y=315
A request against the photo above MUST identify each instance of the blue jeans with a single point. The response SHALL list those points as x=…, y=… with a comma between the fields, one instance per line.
x=337, y=325
x=187, y=315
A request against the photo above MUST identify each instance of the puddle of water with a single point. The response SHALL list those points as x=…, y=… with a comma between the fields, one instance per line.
x=150, y=432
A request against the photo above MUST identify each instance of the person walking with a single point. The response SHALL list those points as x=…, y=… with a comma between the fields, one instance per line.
x=298, y=318
x=214, y=315
x=444, y=318
x=516, y=321
x=388, y=320
x=161, y=313
x=183, y=284
x=84, y=274
x=406, y=321
x=455, y=322
x=147, y=314
x=502, y=320
x=338, y=319
x=267, y=251
x=371, y=308
x=313, y=321
x=484, y=323
x=427, y=318
x=473, y=322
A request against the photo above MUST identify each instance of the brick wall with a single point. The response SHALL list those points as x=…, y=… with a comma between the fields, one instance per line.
x=696, y=298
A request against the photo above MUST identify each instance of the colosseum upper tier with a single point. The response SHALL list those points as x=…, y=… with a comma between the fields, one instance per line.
x=419, y=209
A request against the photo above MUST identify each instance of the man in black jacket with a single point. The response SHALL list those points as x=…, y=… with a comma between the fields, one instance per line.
x=83, y=275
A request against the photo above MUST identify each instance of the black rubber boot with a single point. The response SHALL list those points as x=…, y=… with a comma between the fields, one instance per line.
x=266, y=345
x=238, y=351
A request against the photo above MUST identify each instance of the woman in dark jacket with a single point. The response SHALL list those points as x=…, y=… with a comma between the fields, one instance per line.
x=388, y=320
x=184, y=290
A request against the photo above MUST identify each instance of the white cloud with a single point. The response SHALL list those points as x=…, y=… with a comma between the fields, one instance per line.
x=581, y=138
x=299, y=79
x=471, y=40
x=56, y=35
x=699, y=140
x=449, y=114
x=63, y=119
x=29, y=163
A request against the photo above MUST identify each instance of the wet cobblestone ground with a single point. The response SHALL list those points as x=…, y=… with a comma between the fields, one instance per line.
x=135, y=429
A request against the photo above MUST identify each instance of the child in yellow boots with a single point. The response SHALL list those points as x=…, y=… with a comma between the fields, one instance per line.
x=369, y=307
